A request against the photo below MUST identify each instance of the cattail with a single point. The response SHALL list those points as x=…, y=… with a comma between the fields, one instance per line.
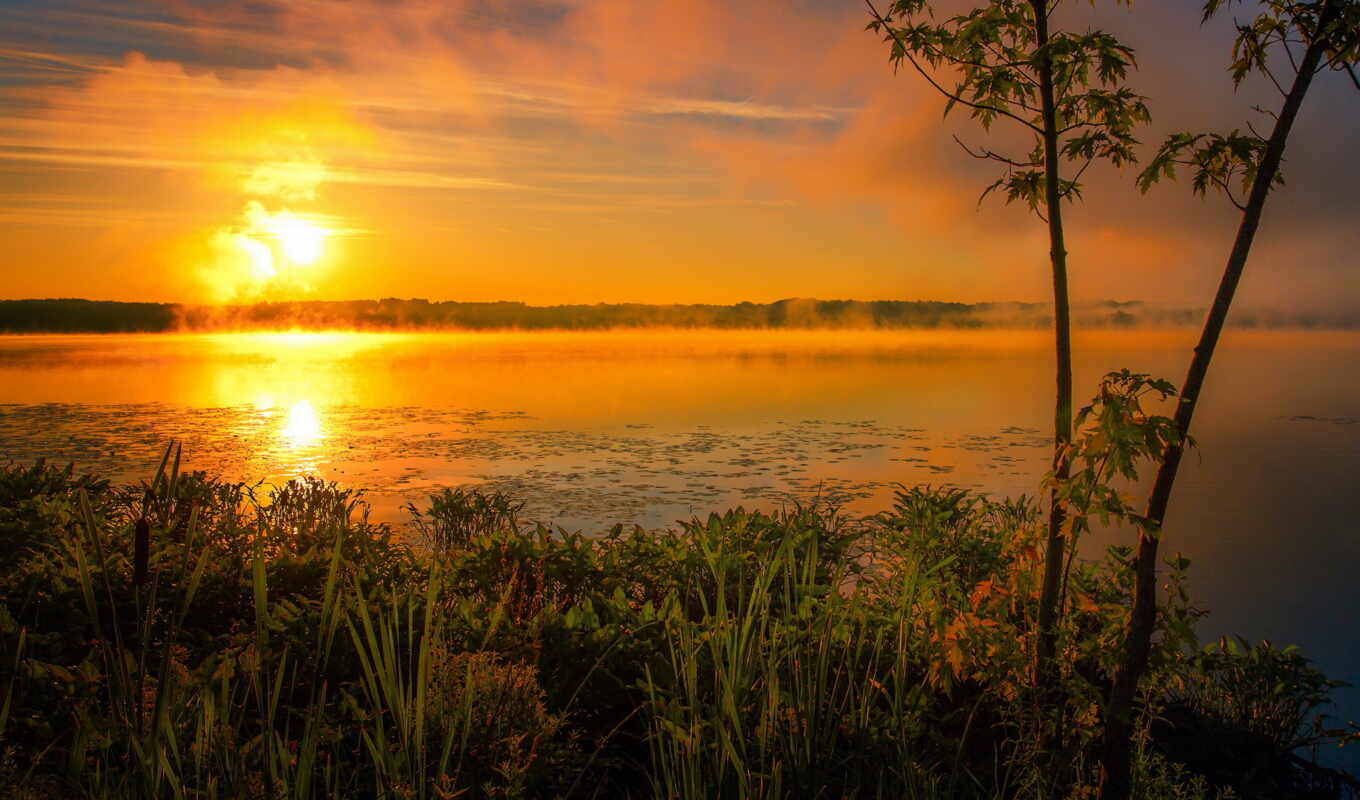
x=141, y=552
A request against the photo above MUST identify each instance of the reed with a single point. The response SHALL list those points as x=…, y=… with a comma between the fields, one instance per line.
x=279, y=644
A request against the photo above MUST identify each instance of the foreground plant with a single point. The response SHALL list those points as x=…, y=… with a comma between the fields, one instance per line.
x=282, y=646
x=1064, y=92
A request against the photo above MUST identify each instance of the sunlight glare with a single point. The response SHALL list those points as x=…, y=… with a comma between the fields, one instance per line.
x=303, y=425
x=260, y=257
x=299, y=239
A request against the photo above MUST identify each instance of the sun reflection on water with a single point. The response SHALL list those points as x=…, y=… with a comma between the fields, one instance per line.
x=302, y=426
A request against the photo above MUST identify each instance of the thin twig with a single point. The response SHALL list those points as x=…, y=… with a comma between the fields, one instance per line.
x=1289, y=51
x=984, y=153
x=1080, y=172
x=1350, y=70
x=1226, y=185
x=1259, y=50
x=1074, y=126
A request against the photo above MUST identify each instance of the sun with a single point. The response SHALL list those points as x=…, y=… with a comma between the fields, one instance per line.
x=300, y=241
x=270, y=253
x=297, y=240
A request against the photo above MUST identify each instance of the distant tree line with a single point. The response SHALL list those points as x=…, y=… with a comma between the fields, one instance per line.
x=97, y=316
x=85, y=316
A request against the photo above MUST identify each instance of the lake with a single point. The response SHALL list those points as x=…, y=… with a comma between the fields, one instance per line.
x=589, y=429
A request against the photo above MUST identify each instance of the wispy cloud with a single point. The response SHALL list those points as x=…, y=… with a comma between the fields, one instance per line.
x=742, y=110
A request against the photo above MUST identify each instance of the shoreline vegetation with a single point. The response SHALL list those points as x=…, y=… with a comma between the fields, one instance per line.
x=391, y=314
x=189, y=636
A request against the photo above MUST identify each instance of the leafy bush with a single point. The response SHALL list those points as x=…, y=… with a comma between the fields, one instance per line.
x=281, y=644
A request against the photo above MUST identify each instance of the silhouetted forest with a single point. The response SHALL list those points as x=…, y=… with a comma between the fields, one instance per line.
x=85, y=316
x=94, y=316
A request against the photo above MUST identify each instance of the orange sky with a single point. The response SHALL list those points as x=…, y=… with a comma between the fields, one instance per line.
x=588, y=150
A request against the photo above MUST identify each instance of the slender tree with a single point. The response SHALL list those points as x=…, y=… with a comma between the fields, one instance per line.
x=1306, y=38
x=1063, y=91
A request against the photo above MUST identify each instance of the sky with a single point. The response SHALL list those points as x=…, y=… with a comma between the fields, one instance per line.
x=580, y=151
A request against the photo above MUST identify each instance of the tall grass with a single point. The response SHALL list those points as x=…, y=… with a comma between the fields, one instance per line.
x=190, y=638
x=788, y=685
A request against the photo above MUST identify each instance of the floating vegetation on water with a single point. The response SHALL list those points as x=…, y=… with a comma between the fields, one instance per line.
x=633, y=472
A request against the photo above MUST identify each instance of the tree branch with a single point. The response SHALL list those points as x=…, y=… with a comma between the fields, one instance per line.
x=1067, y=86
x=1016, y=65
x=1232, y=198
x=1337, y=61
x=1000, y=64
x=1225, y=184
x=1076, y=125
x=1260, y=52
x=1267, y=112
x=1080, y=172
x=906, y=53
x=985, y=154
x=1289, y=51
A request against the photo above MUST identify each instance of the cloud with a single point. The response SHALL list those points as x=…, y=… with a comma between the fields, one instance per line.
x=160, y=115
x=290, y=180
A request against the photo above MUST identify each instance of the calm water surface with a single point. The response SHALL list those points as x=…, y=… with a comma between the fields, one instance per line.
x=589, y=429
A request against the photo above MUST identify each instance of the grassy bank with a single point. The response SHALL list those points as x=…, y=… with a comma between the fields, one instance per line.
x=191, y=637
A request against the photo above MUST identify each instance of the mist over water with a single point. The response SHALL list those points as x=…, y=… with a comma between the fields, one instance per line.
x=416, y=315
x=647, y=427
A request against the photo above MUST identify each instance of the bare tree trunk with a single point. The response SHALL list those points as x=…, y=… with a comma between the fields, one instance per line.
x=1115, y=762
x=1045, y=667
